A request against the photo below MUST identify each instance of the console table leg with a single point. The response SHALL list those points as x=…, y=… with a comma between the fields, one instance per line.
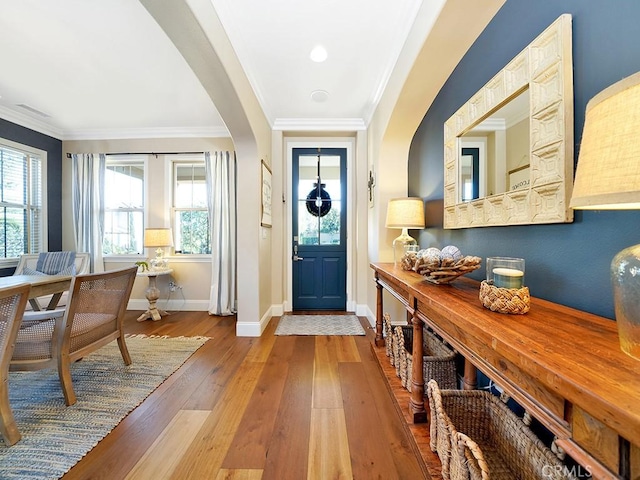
x=379, y=337
x=416, y=401
x=470, y=380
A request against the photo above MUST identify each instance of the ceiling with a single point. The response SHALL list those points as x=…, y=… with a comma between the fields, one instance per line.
x=77, y=69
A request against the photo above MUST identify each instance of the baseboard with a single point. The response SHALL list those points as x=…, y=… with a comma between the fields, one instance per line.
x=277, y=310
x=174, y=305
x=255, y=329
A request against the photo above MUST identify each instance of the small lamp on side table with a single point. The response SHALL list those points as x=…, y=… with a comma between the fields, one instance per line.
x=158, y=238
x=404, y=213
x=608, y=178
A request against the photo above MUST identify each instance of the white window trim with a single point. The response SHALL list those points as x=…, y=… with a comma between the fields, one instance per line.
x=44, y=228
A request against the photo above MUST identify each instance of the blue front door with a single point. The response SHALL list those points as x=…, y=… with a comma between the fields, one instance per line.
x=319, y=229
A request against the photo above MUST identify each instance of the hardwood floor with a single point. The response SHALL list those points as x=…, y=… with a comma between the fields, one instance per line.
x=274, y=407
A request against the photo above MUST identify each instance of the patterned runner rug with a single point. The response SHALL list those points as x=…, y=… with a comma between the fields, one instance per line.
x=319, y=325
x=56, y=437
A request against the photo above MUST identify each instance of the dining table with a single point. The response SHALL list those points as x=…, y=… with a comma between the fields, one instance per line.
x=54, y=285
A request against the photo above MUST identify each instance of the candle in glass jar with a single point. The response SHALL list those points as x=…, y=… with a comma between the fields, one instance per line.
x=508, y=277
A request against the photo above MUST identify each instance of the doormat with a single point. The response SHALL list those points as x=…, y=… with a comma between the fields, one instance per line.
x=319, y=325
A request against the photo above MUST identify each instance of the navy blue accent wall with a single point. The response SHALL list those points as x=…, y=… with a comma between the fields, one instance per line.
x=565, y=263
x=53, y=147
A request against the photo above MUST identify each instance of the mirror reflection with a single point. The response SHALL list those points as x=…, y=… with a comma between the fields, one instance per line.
x=494, y=153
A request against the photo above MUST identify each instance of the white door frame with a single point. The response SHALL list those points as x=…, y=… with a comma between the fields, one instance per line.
x=349, y=145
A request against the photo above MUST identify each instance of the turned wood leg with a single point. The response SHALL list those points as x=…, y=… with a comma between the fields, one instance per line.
x=470, y=380
x=379, y=336
x=152, y=293
x=416, y=401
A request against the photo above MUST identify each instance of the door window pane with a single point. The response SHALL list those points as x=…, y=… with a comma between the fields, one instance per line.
x=315, y=229
x=330, y=226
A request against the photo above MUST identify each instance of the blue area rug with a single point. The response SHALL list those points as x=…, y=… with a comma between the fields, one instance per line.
x=319, y=325
x=56, y=437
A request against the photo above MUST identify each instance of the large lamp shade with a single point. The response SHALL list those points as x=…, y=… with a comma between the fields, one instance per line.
x=608, y=177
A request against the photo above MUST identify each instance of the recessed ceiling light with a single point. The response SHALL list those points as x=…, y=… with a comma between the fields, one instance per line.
x=318, y=54
x=319, y=96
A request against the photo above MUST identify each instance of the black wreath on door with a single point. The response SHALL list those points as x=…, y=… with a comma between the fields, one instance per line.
x=312, y=201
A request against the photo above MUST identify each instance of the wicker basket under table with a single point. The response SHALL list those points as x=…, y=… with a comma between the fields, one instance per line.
x=438, y=360
x=387, y=330
x=478, y=437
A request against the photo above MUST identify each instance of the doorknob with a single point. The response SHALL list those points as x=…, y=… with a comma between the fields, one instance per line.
x=296, y=258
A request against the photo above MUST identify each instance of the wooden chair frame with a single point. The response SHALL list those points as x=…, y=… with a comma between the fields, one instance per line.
x=57, y=328
x=20, y=293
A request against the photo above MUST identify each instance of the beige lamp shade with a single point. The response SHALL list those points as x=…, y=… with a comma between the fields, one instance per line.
x=608, y=177
x=158, y=237
x=405, y=212
x=608, y=172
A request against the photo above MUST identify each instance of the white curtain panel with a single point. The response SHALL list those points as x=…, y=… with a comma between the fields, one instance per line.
x=221, y=193
x=88, y=172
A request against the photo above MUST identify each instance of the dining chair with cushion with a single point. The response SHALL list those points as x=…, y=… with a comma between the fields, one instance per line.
x=52, y=263
x=92, y=319
x=12, y=303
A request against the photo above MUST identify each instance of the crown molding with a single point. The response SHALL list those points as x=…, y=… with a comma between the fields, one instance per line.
x=109, y=134
x=31, y=123
x=319, y=124
x=163, y=132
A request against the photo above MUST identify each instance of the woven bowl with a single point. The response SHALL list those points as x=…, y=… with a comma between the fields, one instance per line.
x=448, y=274
x=505, y=300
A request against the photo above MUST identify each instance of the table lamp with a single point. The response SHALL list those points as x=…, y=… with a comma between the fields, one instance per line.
x=608, y=178
x=404, y=213
x=158, y=238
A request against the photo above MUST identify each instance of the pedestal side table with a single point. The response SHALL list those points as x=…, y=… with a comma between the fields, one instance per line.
x=152, y=293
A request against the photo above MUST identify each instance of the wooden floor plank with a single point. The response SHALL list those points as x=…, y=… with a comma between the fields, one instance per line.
x=244, y=474
x=370, y=453
x=346, y=349
x=326, y=384
x=249, y=447
x=289, y=446
x=161, y=459
x=204, y=458
x=328, y=445
x=220, y=374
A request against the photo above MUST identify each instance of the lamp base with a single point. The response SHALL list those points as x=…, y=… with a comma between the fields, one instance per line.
x=159, y=262
x=625, y=276
x=399, y=245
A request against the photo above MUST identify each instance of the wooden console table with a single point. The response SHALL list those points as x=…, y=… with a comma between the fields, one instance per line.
x=564, y=366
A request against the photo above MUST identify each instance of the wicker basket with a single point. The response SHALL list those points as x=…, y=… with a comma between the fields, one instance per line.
x=504, y=300
x=478, y=437
x=438, y=360
x=387, y=331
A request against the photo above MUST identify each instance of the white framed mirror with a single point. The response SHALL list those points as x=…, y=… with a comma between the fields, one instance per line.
x=508, y=151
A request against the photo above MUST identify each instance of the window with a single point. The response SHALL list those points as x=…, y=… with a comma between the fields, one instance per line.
x=21, y=204
x=123, y=206
x=190, y=213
